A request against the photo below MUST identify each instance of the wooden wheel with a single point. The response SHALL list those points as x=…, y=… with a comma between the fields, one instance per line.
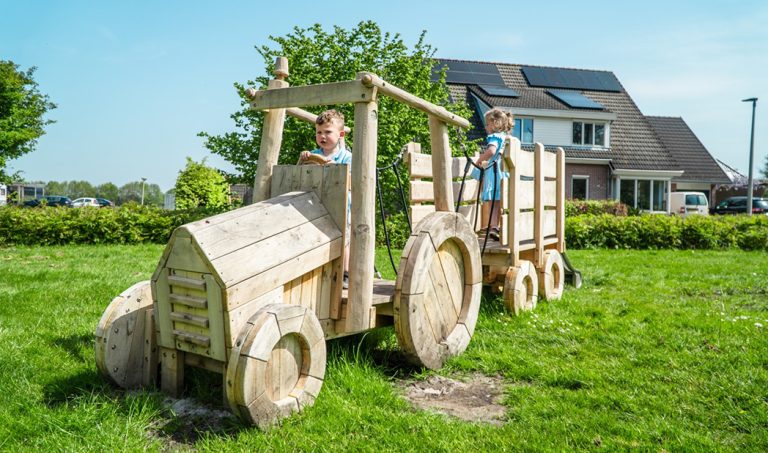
x=521, y=288
x=552, y=276
x=437, y=293
x=277, y=365
x=124, y=335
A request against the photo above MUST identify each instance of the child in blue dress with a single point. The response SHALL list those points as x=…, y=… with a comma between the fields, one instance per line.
x=498, y=123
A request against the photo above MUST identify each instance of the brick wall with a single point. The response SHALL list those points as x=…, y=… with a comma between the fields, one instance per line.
x=599, y=179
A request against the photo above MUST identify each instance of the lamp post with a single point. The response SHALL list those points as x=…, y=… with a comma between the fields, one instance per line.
x=144, y=179
x=751, y=152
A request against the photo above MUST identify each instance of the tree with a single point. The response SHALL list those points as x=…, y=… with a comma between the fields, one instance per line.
x=131, y=193
x=108, y=191
x=200, y=186
x=22, y=108
x=316, y=56
x=764, y=171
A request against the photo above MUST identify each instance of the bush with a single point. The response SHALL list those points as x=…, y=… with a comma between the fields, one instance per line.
x=657, y=231
x=129, y=224
x=595, y=207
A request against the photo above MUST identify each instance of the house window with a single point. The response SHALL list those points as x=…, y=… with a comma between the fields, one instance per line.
x=644, y=194
x=588, y=134
x=523, y=130
x=580, y=187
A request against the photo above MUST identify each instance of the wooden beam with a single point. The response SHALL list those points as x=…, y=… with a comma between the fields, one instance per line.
x=363, y=228
x=372, y=80
x=511, y=155
x=560, y=200
x=309, y=117
x=321, y=94
x=538, y=209
x=271, y=140
x=441, y=159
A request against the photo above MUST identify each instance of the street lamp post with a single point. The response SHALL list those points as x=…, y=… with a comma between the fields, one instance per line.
x=751, y=152
x=144, y=179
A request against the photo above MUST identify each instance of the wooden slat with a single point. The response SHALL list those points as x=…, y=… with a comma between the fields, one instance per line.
x=285, y=179
x=238, y=317
x=217, y=328
x=184, y=253
x=311, y=177
x=184, y=282
x=161, y=295
x=200, y=340
x=524, y=226
x=549, y=193
x=525, y=163
x=441, y=157
x=241, y=265
x=200, y=321
x=526, y=194
x=560, y=200
x=423, y=191
x=549, y=220
x=324, y=304
x=420, y=165
x=309, y=95
x=171, y=369
x=549, y=165
x=261, y=283
x=189, y=301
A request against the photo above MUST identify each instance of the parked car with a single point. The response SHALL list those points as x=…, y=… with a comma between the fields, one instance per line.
x=104, y=203
x=49, y=200
x=738, y=205
x=82, y=202
x=688, y=203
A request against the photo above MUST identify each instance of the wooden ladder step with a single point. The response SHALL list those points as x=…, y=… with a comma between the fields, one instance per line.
x=200, y=340
x=187, y=318
x=189, y=301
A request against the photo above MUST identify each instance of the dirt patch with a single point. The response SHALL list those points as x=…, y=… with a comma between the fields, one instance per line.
x=476, y=398
x=189, y=419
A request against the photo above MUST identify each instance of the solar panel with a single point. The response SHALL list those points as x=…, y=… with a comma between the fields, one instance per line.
x=501, y=91
x=575, y=100
x=575, y=79
x=467, y=72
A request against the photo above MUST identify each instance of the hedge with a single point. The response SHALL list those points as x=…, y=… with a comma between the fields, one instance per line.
x=138, y=224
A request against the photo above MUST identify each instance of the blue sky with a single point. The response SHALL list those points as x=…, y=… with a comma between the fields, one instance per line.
x=136, y=81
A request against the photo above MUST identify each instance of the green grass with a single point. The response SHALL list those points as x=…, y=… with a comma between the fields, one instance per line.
x=659, y=350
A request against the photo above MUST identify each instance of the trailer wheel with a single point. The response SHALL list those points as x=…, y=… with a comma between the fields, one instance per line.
x=277, y=364
x=437, y=293
x=552, y=276
x=521, y=288
x=124, y=346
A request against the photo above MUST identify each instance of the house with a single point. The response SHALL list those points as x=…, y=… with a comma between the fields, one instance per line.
x=612, y=150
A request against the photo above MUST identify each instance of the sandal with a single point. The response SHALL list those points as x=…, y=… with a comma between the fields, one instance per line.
x=494, y=234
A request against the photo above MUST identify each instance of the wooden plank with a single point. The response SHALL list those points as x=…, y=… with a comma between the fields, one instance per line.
x=419, y=212
x=149, y=369
x=538, y=210
x=324, y=304
x=241, y=265
x=311, y=177
x=441, y=158
x=560, y=200
x=189, y=301
x=184, y=253
x=525, y=163
x=335, y=197
x=525, y=194
x=372, y=80
x=271, y=140
x=549, y=165
x=217, y=328
x=309, y=95
x=238, y=317
x=285, y=179
x=200, y=340
x=514, y=192
x=195, y=228
x=245, y=230
x=161, y=295
x=525, y=226
x=183, y=282
x=295, y=291
x=261, y=283
x=309, y=117
x=171, y=371
x=420, y=165
x=200, y=321
x=423, y=191
x=549, y=223
x=549, y=192
x=363, y=228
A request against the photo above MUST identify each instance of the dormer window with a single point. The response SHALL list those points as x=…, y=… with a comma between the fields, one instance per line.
x=588, y=134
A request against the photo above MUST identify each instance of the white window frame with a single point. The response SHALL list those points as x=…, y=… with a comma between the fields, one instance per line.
x=517, y=131
x=583, y=135
x=581, y=177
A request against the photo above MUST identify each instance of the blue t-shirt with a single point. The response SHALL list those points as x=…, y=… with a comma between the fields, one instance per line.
x=340, y=156
x=489, y=188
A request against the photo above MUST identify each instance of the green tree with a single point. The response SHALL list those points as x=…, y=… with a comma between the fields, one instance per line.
x=22, y=108
x=316, y=56
x=132, y=193
x=201, y=186
x=108, y=191
x=764, y=171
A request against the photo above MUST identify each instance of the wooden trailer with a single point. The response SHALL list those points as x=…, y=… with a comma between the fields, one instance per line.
x=527, y=259
x=254, y=293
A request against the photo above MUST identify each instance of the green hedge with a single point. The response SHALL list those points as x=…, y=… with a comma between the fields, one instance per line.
x=667, y=232
x=129, y=224
x=596, y=207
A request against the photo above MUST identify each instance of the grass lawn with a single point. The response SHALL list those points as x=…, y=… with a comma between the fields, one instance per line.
x=660, y=350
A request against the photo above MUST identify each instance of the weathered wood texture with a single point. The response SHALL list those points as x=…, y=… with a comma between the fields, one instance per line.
x=271, y=140
x=277, y=364
x=521, y=287
x=437, y=292
x=125, y=349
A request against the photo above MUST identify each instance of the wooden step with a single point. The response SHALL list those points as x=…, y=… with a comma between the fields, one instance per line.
x=383, y=292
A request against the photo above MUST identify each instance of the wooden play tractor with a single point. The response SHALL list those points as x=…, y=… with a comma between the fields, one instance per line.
x=255, y=293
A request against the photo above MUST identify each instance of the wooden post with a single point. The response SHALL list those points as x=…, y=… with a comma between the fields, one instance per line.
x=363, y=219
x=538, y=204
x=171, y=371
x=441, y=158
x=271, y=137
x=511, y=154
x=560, y=200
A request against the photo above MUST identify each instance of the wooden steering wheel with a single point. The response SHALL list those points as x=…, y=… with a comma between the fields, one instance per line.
x=312, y=159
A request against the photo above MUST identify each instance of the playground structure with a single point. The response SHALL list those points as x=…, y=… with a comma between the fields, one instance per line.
x=254, y=293
x=528, y=259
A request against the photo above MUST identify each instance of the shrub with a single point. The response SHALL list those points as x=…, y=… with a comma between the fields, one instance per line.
x=657, y=231
x=595, y=207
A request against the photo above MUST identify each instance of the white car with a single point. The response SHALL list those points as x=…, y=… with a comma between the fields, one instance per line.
x=81, y=202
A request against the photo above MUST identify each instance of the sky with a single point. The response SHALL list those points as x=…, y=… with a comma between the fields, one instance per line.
x=136, y=81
